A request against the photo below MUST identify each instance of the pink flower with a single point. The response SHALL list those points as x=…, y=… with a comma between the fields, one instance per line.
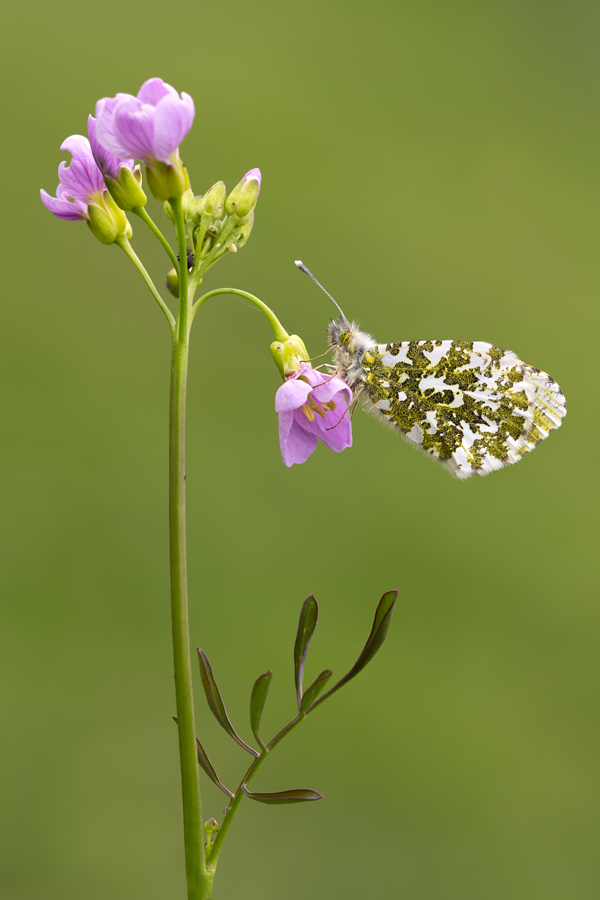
x=109, y=164
x=310, y=406
x=80, y=182
x=148, y=127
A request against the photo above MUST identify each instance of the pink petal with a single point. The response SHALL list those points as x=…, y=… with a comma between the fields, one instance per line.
x=291, y=395
x=253, y=175
x=172, y=120
x=153, y=90
x=107, y=162
x=77, y=145
x=337, y=436
x=296, y=443
x=105, y=129
x=133, y=124
x=329, y=387
x=80, y=179
x=63, y=208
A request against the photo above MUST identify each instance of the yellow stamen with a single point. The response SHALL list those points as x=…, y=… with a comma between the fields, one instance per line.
x=315, y=406
x=308, y=413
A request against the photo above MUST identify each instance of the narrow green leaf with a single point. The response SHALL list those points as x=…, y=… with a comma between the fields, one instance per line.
x=312, y=692
x=215, y=702
x=301, y=795
x=306, y=628
x=257, y=703
x=210, y=769
x=381, y=625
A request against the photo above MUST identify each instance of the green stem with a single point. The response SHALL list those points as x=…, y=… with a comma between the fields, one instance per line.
x=199, y=880
x=239, y=794
x=280, y=332
x=130, y=252
x=141, y=212
x=185, y=307
x=206, y=263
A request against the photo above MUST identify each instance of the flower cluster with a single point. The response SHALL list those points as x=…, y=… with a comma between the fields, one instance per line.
x=148, y=127
x=102, y=182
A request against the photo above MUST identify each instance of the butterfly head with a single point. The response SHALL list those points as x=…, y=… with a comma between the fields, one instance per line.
x=350, y=345
x=339, y=332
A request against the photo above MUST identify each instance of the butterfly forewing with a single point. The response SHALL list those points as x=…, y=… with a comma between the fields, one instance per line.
x=471, y=405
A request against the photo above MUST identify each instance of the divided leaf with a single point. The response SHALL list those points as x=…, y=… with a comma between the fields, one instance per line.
x=216, y=704
x=312, y=692
x=300, y=795
x=306, y=628
x=257, y=703
x=381, y=625
x=208, y=767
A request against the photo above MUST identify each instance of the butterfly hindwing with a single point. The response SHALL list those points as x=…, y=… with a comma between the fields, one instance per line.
x=471, y=405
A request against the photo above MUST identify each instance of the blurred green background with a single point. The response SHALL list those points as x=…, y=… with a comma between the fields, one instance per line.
x=436, y=164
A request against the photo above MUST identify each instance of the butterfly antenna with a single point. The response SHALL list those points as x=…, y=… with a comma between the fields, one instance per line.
x=300, y=265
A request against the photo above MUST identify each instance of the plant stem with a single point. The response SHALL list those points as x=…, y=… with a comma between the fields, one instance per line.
x=199, y=881
x=130, y=252
x=280, y=332
x=141, y=212
x=239, y=794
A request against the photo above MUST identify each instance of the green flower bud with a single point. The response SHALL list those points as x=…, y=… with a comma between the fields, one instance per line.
x=169, y=211
x=211, y=826
x=244, y=196
x=172, y=282
x=107, y=221
x=212, y=201
x=289, y=355
x=126, y=189
x=241, y=233
x=167, y=180
x=187, y=204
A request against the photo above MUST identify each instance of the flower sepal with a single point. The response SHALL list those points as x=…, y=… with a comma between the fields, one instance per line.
x=167, y=180
x=289, y=355
x=241, y=233
x=244, y=197
x=210, y=204
x=106, y=220
x=126, y=190
x=187, y=204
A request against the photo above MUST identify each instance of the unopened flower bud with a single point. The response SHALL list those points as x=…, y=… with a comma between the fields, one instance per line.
x=289, y=355
x=211, y=826
x=242, y=232
x=107, y=221
x=212, y=201
x=187, y=203
x=244, y=196
x=172, y=282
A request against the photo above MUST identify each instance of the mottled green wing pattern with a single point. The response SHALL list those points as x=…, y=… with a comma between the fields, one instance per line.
x=469, y=404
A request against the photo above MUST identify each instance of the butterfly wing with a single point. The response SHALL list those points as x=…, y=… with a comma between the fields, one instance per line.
x=471, y=405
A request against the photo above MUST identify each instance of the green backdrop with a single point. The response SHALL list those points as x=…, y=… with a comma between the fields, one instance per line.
x=436, y=164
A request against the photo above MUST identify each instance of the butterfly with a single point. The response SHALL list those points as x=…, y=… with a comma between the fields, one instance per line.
x=472, y=406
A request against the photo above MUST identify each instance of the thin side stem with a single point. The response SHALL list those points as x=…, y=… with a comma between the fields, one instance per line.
x=185, y=307
x=143, y=215
x=239, y=794
x=205, y=263
x=130, y=252
x=280, y=332
x=199, y=881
